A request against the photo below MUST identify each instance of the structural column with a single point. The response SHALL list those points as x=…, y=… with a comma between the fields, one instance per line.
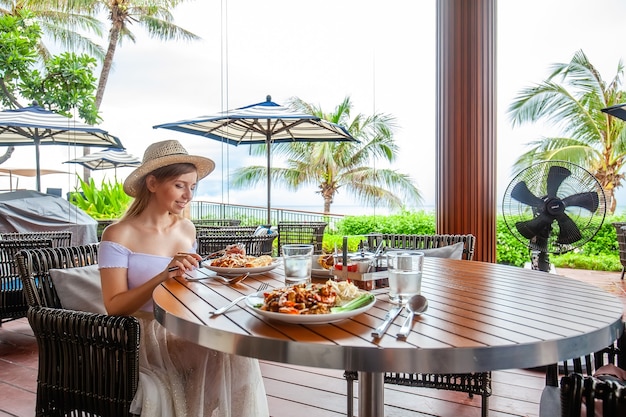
x=466, y=122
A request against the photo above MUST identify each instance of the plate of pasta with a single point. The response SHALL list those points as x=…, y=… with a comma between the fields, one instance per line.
x=236, y=264
x=312, y=303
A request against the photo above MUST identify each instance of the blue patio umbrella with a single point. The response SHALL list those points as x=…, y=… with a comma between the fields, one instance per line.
x=38, y=126
x=262, y=123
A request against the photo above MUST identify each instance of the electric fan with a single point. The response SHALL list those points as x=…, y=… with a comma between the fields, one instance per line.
x=553, y=207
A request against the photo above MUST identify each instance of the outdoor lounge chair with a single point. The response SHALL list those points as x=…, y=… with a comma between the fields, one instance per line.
x=88, y=362
x=478, y=383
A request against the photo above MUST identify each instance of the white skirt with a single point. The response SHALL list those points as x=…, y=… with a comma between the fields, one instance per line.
x=182, y=379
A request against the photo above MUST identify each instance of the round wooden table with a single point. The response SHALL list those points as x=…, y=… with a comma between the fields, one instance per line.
x=481, y=317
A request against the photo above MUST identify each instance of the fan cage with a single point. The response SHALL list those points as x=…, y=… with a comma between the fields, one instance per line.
x=535, y=177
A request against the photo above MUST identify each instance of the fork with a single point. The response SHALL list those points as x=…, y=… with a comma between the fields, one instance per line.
x=222, y=310
x=204, y=259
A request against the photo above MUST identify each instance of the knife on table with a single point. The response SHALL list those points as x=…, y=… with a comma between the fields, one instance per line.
x=389, y=318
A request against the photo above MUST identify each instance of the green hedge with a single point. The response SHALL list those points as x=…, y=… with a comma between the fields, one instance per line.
x=601, y=253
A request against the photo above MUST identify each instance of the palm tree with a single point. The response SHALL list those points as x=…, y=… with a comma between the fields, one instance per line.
x=154, y=16
x=572, y=97
x=333, y=166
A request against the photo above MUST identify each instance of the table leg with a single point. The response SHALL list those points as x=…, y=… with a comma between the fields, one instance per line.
x=371, y=394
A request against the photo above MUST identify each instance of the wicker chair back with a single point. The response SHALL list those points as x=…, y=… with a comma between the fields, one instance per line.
x=88, y=363
x=400, y=241
x=13, y=303
x=254, y=245
x=609, y=396
x=59, y=238
x=301, y=232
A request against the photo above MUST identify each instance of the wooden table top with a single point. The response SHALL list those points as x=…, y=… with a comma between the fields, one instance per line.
x=481, y=317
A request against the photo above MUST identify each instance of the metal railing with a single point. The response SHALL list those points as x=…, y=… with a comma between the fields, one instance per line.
x=254, y=215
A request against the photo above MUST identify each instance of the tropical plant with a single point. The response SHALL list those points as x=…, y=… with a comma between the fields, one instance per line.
x=108, y=201
x=65, y=82
x=572, y=98
x=58, y=23
x=333, y=166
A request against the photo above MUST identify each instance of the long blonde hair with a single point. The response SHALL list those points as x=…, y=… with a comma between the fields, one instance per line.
x=162, y=174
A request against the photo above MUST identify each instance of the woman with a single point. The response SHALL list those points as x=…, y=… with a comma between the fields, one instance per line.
x=177, y=378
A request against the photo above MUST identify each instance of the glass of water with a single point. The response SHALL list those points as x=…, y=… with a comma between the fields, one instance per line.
x=405, y=275
x=297, y=260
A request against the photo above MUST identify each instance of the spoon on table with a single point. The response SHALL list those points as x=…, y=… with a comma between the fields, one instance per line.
x=231, y=281
x=417, y=304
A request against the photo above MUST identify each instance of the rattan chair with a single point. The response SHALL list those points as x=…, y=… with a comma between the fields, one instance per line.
x=254, y=245
x=225, y=230
x=103, y=224
x=12, y=300
x=88, y=363
x=59, y=238
x=585, y=366
x=475, y=383
x=611, y=396
x=399, y=241
x=217, y=222
x=301, y=232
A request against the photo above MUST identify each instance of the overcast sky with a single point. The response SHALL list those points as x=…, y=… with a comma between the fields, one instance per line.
x=381, y=54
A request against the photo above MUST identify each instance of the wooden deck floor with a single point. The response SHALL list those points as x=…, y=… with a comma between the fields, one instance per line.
x=312, y=392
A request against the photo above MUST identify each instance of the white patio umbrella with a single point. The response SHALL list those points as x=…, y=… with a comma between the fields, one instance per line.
x=262, y=123
x=106, y=159
x=26, y=172
x=38, y=126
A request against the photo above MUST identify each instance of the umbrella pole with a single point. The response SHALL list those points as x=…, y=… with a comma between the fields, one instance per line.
x=269, y=179
x=38, y=172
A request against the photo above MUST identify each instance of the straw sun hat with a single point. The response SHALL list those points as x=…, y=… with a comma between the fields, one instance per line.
x=160, y=154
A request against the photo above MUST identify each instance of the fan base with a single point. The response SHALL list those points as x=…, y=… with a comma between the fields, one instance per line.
x=528, y=265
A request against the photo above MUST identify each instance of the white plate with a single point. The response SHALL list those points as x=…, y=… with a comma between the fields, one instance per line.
x=238, y=271
x=321, y=273
x=317, y=270
x=256, y=299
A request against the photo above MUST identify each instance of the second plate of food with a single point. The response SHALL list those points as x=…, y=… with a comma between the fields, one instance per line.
x=242, y=270
x=317, y=270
